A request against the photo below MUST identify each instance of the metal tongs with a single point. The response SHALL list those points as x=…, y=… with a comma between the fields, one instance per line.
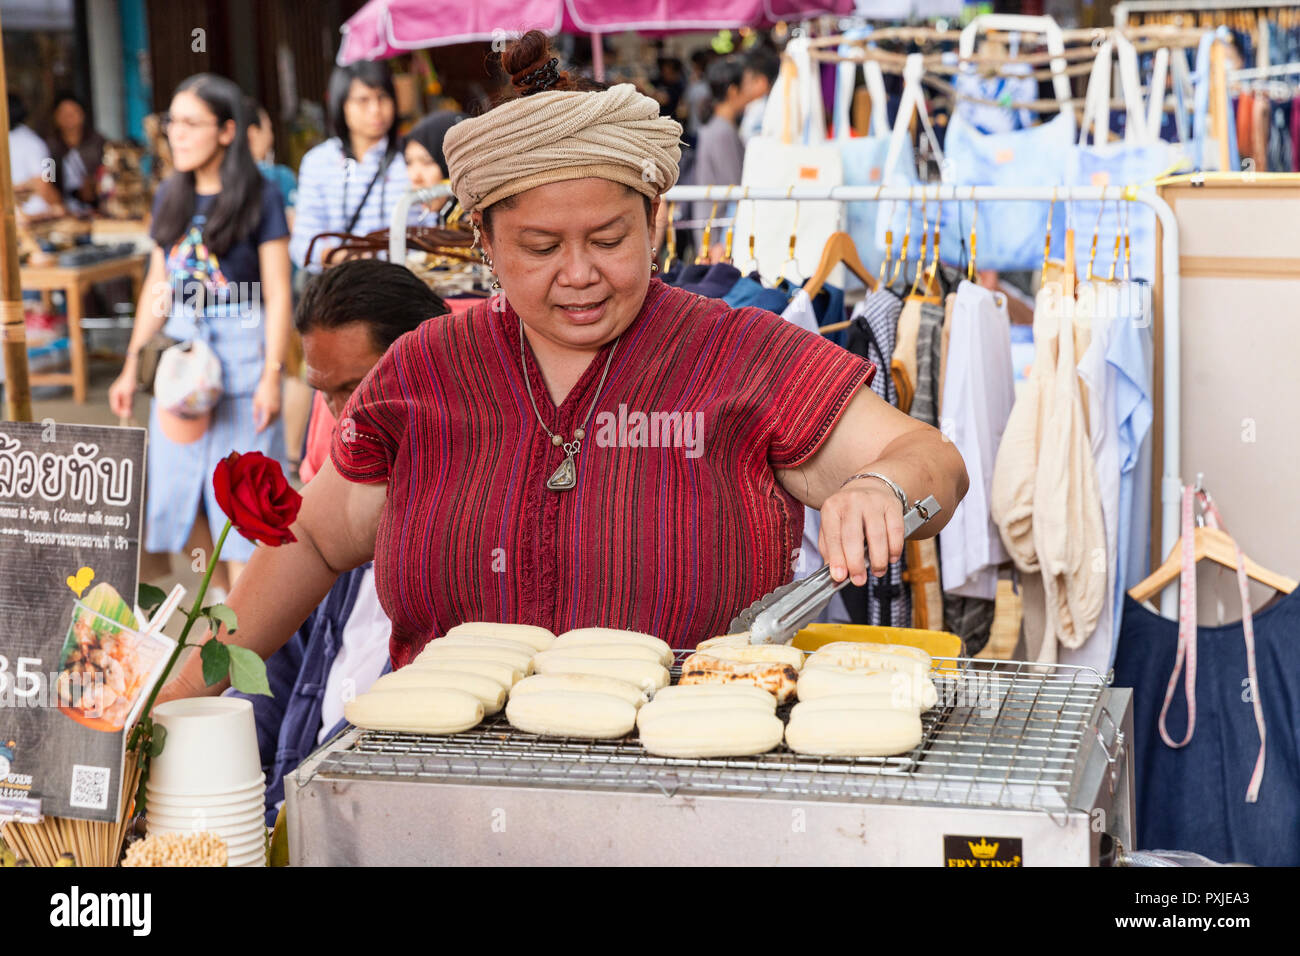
x=779, y=615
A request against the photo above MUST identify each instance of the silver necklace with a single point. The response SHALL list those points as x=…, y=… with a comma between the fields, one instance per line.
x=565, y=475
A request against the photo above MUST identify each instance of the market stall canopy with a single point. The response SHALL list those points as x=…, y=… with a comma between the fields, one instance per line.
x=384, y=28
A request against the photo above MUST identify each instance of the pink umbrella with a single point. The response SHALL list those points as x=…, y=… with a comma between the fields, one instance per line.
x=384, y=28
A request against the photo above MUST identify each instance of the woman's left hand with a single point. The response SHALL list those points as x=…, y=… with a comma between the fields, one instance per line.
x=266, y=401
x=866, y=510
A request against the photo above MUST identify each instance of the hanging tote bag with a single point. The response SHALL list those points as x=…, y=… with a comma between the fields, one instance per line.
x=862, y=157
x=791, y=152
x=1010, y=233
x=1137, y=160
x=897, y=219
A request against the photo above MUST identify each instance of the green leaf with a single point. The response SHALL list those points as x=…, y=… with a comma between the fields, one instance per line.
x=248, y=671
x=157, y=741
x=220, y=614
x=150, y=598
x=216, y=661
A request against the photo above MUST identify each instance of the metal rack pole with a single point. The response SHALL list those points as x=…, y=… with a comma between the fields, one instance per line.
x=1171, y=483
x=401, y=213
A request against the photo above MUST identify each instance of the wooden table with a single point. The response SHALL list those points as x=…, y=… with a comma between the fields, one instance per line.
x=73, y=282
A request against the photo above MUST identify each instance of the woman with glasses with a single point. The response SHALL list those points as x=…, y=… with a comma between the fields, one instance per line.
x=219, y=275
x=350, y=182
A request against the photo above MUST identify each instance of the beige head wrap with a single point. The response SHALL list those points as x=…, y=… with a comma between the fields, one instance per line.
x=549, y=137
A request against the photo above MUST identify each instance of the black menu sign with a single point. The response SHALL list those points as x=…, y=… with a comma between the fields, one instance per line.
x=75, y=668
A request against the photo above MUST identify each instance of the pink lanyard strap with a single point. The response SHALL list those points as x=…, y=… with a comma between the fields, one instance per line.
x=1186, y=652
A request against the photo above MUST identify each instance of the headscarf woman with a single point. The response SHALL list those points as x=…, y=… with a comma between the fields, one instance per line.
x=591, y=446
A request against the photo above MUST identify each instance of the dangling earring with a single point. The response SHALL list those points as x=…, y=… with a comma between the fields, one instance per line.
x=487, y=261
x=654, y=264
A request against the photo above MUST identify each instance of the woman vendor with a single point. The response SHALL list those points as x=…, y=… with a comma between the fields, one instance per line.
x=589, y=446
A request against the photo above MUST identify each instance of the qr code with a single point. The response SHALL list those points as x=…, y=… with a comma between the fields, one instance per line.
x=89, y=787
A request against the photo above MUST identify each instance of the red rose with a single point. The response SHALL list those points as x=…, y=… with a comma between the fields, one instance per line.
x=256, y=497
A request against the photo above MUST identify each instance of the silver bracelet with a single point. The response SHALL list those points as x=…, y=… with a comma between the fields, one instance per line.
x=893, y=486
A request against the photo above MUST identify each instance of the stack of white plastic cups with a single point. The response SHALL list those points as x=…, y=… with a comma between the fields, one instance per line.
x=208, y=778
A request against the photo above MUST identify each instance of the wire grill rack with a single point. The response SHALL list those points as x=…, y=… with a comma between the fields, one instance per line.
x=1005, y=734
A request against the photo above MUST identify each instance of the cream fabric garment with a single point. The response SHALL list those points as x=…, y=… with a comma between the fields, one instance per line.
x=909, y=327
x=1011, y=497
x=1068, y=533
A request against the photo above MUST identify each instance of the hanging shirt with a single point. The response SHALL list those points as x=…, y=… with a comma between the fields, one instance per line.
x=330, y=187
x=1193, y=798
x=750, y=290
x=1099, y=377
x=1130, y=353
x=671, y=532
x=929, y=336
x=978, y=396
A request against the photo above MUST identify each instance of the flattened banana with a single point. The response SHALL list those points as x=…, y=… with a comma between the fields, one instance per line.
x=571, y=714
x=419, y=710
x=436, y=650
x=853, y=732
x=582, y=683
x=712, y=733
x=489, y=692
x=538, y=637
x=904, y=689
x=610, y=635
x=503, y=674
x=659, y=709
x=689, y=692
x=647, y=675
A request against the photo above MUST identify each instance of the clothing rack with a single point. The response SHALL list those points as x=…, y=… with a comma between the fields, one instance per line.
x=1075, y=59
x=1122, y=10
x=1171, y=482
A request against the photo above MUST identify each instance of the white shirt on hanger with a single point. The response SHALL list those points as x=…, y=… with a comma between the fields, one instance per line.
x=1099, y=376
x=362, y=654
x=978, y=394
x=800, y=312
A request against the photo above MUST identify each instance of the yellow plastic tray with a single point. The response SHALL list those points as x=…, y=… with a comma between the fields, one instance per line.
x=934, y=643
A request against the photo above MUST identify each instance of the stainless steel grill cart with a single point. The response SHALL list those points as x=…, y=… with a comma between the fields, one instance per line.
x=1020, y=764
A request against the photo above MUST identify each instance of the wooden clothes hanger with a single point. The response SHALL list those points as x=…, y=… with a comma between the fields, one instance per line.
x=1216, y=545
x=839, y=249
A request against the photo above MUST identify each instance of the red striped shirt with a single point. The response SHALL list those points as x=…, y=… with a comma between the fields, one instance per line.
x=673, y=541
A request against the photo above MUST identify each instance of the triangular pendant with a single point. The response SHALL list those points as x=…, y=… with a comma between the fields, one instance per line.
x=564, y=477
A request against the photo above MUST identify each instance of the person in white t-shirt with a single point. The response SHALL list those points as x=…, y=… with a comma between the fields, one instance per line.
x=30, y=166
x=760, y=67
